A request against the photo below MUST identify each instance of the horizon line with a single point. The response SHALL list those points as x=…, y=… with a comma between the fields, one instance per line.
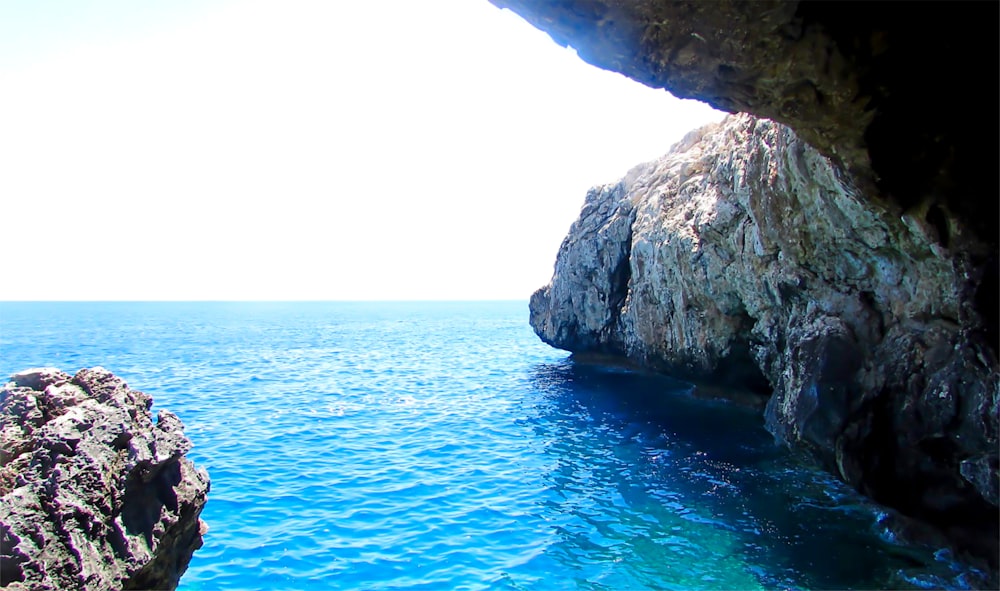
x=263, y=301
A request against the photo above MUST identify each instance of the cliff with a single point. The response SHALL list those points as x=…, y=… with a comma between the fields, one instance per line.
x=881, y=341
x=94, y=495
x=746, y=257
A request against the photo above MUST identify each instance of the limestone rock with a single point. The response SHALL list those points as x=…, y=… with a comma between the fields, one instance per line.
x=94, y=495
x=745, y=256
x=881, y=88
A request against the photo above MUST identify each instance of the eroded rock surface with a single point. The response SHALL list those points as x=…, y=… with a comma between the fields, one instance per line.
x=94, y=494
x=743, y=256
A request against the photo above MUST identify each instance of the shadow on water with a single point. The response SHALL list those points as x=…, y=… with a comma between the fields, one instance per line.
x=698, y=494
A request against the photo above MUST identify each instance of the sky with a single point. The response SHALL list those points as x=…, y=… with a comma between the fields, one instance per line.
x=301, y=149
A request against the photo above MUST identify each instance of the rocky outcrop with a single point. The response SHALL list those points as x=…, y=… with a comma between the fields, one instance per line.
x=744, y=256
x=881, y=88
x=94, y=495
x=889, y=372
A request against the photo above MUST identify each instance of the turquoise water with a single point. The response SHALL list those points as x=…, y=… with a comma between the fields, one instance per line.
x=442, y=446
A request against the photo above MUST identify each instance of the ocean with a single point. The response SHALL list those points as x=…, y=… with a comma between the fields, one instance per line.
x=441, y=445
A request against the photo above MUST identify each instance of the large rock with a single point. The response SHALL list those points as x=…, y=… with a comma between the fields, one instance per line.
x=94, y=495
x=882, y=88
x=890, y=370
x=743, y=256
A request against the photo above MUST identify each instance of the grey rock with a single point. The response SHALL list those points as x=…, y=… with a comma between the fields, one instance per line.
x=94, y=494
x=743, y=256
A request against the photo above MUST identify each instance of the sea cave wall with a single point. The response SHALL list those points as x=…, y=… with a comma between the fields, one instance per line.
x=839, y=260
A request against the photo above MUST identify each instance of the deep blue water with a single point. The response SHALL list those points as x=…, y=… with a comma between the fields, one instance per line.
x=442, y=446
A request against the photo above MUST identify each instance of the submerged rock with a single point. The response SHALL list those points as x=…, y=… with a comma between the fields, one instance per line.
x=744, y=257
x=94, y=495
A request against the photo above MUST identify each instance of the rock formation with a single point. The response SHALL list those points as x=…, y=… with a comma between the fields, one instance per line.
x=873, y=314
x=742, y=256
x=881, y=88
x=94, y=495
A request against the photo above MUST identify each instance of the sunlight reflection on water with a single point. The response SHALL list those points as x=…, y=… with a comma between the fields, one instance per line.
x=350, y=449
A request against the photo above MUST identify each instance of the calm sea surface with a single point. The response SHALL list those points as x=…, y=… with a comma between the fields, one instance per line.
x=442, y=446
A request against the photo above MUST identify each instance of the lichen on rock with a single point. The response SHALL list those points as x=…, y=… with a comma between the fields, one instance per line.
x=744, y=257
x=94, y=494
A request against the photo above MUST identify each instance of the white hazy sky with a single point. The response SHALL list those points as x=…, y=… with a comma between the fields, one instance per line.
x=301, y=149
